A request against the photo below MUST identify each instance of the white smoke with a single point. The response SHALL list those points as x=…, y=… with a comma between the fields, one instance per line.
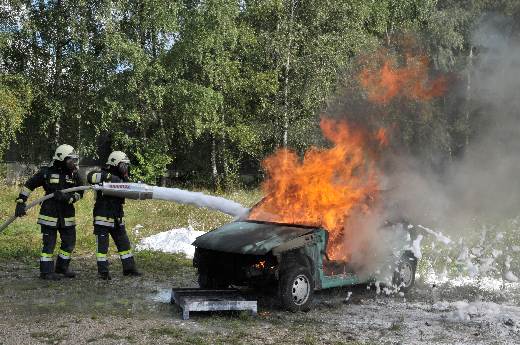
x=482, y=186
x=485, y=183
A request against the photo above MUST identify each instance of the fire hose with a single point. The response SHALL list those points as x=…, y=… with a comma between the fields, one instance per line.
x=142, y=191
x=40, y=200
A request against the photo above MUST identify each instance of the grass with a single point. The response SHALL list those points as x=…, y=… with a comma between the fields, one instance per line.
x=177, y=335
x=22, y=239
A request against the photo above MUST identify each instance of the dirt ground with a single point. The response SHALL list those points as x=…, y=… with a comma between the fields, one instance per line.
x=125, y=310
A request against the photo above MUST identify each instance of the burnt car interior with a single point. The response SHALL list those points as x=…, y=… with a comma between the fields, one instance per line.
x=334, y=267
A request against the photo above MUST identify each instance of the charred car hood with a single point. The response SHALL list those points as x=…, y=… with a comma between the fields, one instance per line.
x=254, y=238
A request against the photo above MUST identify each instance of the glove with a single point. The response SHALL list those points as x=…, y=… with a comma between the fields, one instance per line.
x=60, y=196
x=20, y=209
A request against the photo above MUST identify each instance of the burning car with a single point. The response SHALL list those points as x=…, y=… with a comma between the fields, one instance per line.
x=334, y=194
x=294, y=257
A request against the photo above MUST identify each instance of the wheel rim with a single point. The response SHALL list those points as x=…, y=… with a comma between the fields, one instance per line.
x=300, y=289
x=406, y=274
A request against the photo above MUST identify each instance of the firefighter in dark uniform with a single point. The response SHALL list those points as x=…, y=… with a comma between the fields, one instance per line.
x=108, y=216
x=56, y=214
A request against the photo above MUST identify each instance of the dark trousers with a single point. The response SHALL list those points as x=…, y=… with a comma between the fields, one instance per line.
x=49, y=237
x=124, y=248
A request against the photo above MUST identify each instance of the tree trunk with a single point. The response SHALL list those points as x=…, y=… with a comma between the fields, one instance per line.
x=286, y=81
x=467, y=114
x=214, y=171
x=223, y=154
x=56, y=86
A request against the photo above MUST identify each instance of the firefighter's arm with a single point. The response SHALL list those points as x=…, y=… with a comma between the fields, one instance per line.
x=96, y=177
x=34, y=182
x=77, y=195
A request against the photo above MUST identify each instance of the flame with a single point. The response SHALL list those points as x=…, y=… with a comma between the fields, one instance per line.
x=323, y=188
x=411, y=81
x=382, y=137
x=260, y=265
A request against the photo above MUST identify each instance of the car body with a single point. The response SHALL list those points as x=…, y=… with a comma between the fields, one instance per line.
x=292, y=256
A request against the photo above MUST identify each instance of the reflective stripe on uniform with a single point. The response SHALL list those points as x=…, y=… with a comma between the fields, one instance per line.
x=64, y=255
x=101, y=257
x=25, y=191
x=50, y=219
x=54, y=180
x=70, y=221
x=104, y=221
x=45, y=257
x=126, y=254
x=46, y=220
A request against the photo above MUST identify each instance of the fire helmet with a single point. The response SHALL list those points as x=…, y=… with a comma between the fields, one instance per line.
x=117, y=157
x=64, y=151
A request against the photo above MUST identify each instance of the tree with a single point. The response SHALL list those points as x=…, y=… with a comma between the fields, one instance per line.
x=15, y=100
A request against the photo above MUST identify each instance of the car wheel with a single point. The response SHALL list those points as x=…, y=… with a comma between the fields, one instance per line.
x=296, y=289
x=404, y=277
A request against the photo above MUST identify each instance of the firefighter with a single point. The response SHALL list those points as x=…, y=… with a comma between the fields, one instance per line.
x=108, y=216
x=56, y=214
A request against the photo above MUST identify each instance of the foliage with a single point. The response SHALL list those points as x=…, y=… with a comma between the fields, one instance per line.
x=15, y=99
x=151, y=165
x=220, y=84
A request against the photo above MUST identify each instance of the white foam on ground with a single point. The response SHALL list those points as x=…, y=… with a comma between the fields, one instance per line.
x=511, y=277
x=484, y=283
x=172, y=241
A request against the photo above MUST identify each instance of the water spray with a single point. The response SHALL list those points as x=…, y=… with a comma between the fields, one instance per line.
x=141, y=191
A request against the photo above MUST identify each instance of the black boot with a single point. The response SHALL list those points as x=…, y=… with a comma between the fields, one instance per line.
x=47, y=270
x=132, y=273
x=67, y=274
x=62, y=267
x=105, y=275
x=50, y=276
x=103, y=272
x=129, y=267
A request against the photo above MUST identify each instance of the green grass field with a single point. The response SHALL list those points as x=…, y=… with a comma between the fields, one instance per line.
x=21, y=240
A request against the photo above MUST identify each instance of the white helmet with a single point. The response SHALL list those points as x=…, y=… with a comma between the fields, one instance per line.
x=117, y=157
x=64, y=151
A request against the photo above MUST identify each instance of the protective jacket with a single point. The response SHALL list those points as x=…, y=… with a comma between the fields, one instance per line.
x=108, y=210
x=54, y=213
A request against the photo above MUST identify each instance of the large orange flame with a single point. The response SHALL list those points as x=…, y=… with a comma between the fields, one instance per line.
x=411, y=81
x=325, y=187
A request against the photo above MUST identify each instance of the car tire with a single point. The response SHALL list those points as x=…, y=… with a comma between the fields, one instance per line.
x=296, y=288
x=404, y=276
